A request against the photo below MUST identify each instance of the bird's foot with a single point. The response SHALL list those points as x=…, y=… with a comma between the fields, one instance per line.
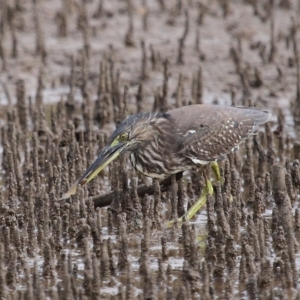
x=196, y=207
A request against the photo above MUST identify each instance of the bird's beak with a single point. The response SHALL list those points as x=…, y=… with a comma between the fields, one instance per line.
x=108, y=154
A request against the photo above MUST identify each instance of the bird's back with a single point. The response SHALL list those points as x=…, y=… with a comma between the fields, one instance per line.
x=193, y=116
x=208, y=132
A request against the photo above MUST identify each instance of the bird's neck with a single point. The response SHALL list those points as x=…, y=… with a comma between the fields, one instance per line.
x=155, y=158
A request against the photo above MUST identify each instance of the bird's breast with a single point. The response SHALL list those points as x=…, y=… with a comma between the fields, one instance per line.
x=144, y=165
x=149, y=162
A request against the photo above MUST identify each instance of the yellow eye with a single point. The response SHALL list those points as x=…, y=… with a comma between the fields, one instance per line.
x=123, y=137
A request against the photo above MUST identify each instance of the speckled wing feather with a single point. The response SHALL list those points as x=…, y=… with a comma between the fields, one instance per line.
x=209, y=132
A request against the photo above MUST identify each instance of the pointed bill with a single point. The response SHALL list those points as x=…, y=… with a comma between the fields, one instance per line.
x=106, y=157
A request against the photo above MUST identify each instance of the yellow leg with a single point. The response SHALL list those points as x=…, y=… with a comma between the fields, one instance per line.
x=216, y=170
x=202, y=200
x=196, y=207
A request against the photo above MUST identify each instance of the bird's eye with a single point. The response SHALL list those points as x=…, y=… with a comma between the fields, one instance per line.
x=123, y=136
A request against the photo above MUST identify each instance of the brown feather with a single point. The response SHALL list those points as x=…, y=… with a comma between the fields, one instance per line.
x=208, y=132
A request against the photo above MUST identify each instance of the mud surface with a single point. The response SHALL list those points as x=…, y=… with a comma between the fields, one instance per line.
x=71, y=71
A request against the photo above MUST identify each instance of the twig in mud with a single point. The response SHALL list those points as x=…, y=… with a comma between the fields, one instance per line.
x=142, y=190
x=180, y=60
x=144, y=74
x=273, y=48
x=129, y=40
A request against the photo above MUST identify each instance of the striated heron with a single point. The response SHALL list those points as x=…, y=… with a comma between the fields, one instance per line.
x=161, y=144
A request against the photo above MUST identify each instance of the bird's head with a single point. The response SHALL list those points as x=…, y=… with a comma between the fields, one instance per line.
x=131, y=135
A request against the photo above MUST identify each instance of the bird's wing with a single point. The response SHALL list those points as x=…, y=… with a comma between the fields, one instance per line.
x=208, y=132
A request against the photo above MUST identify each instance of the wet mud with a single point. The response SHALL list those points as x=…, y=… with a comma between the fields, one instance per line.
x=73, y=70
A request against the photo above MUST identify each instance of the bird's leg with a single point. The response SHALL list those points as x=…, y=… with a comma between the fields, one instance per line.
x=216, y=169
x=208, y=190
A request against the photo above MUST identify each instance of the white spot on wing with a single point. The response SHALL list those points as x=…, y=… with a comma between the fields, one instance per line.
x=192, y=131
